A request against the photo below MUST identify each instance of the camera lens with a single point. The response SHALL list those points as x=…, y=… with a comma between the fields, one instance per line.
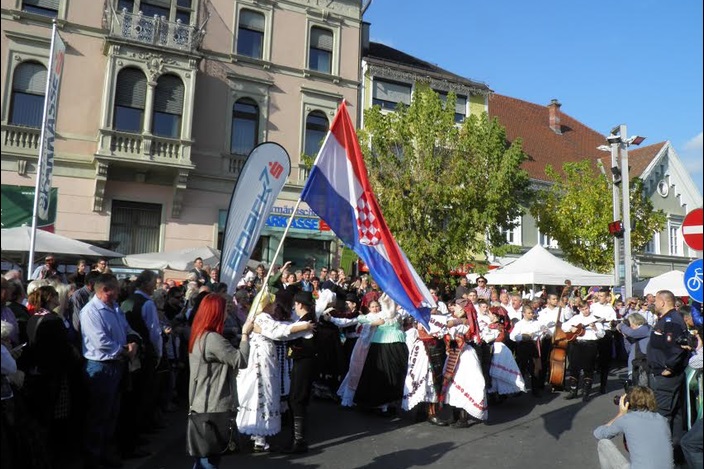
x=617, y=399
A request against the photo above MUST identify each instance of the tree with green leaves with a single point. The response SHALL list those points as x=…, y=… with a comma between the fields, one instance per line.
x=446, y=190
x=577, y=207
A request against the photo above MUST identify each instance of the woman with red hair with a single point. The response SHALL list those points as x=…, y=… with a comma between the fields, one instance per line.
x=214, y=364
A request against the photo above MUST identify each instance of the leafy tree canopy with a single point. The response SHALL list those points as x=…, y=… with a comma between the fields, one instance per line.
x=576, y=209
x=446, y=190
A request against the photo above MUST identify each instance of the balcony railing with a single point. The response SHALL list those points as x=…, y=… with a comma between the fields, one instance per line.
x=128, y=146
x=155, y=31
x=18, y=139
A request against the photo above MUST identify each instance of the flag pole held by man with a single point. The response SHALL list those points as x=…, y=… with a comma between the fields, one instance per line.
x=338, y=190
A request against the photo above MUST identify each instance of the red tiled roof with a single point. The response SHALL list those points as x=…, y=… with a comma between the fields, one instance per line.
x=640, y=158
x=531, y=123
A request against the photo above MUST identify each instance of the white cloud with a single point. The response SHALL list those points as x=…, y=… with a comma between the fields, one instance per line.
x=691, y=156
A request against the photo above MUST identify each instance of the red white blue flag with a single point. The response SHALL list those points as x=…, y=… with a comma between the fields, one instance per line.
x=338, y=190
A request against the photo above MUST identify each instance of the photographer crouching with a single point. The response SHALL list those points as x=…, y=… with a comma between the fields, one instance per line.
x=646, y=434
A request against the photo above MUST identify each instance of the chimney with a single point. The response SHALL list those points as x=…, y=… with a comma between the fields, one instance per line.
x=365, y=37
x=554, y=108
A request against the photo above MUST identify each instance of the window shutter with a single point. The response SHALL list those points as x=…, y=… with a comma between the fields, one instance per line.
x=48, y=4
x=169, y=95
x=131, y=89
x=251, y=20
x=321, y=39
x=30, y=78
x=393, y=92
x=461, y=105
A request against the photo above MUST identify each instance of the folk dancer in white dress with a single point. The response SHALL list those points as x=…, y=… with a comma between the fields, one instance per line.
x=426, y=360
x=506, y=378
x=463, y=382
x=259, y=412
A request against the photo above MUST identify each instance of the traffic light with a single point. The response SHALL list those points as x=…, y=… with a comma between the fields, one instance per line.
x=616, y=229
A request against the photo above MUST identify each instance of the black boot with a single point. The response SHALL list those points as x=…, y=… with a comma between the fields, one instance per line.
x=299, y=443
x=433, y=416
x=586, y=387
x=463, y=420
x=571, y=387
x=603, y=380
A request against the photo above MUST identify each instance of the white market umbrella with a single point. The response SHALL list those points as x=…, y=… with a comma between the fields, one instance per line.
x=672, y=280
x=181, y=259
x=17, y=240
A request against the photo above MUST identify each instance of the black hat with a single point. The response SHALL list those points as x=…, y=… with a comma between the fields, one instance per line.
x=352, y=297
x=481, y=277
x=305, y=298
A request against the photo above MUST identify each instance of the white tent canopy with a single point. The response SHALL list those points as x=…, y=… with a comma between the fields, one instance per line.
x=181, y=259
x=17, y=240
x=672, y=280
x=538, y=266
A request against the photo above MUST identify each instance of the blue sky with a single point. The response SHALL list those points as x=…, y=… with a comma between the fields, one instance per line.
x=633, y=62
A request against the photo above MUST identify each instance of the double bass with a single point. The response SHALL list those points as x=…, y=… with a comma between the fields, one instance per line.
x=558, y=354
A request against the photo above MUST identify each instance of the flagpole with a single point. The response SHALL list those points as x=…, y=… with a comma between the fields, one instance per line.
x=40, y=159
x=265, y=282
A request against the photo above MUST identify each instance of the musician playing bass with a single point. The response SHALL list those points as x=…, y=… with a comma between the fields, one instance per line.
x=584, y=330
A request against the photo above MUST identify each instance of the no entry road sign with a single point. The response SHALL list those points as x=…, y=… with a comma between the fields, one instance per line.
x=692, y=230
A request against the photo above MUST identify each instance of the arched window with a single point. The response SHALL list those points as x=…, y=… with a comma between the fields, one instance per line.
x=130, y=96
x=250, y=34
x=316, y=129
x=27, y=100
x=168, y=107
x=245, y=126
x=320, y=54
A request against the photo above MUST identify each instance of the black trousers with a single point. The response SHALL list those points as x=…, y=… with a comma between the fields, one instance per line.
x=582, y=357
x=606, y=350
x=303, y=372
x=669, y=395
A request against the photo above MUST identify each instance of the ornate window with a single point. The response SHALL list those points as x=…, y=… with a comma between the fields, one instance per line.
x=316, y=128
x=250, y=34
x=320, y=52
x=168, y=107
x=27, y=100
x=130, y=97
x=245, y=126
x=171, y=10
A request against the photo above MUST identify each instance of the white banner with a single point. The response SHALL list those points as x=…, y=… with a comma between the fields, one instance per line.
x=46, y=152
x=260, y=181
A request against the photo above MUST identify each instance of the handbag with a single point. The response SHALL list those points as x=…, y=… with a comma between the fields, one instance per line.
x=210, y=433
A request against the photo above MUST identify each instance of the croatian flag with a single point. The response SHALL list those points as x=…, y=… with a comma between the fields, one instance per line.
x=339, y=191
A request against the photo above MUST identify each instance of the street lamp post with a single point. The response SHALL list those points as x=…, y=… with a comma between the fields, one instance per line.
x=619, y=142
x=626, y=199
x=617, y=214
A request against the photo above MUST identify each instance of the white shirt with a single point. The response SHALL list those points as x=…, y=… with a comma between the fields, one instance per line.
x=524, y=327
x=512, y=313
x=548, y=317
x=590, y=333
x=605, y=311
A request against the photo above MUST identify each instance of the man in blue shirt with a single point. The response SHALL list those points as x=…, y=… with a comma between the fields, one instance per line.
x=108, y=344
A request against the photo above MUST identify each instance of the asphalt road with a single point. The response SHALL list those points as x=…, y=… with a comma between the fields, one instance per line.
x=521, y=432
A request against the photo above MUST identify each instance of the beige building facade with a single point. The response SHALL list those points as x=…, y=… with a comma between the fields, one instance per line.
x=160, y=103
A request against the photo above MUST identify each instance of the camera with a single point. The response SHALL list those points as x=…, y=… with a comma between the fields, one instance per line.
x=617, y=399
x=686, y=340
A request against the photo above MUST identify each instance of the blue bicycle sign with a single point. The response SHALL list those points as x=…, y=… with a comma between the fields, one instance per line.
x=694, y=280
